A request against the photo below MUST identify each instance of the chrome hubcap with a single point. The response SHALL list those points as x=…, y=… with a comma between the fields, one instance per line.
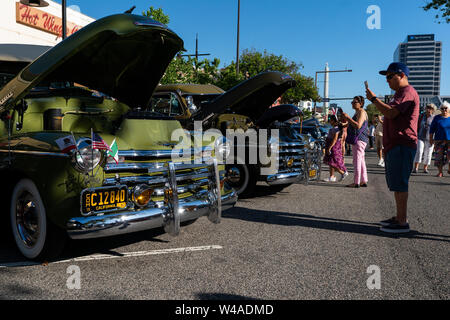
x=27, y=219
x=234, y=175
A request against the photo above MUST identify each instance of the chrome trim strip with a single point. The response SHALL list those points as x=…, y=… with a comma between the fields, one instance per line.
x=202, y=173
x=135, y=179
x=158, y=153
x=38, y=153
x=291, y=151
x=291, y=144
x=152, y=167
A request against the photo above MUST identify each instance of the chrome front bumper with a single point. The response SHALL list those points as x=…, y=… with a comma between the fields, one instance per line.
x=311, y=161
x=168, y=213
x=284, y=178
x=134, y=221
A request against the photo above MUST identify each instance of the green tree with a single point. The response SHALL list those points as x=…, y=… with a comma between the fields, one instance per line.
x=307, y=114
x=441, y=5
x=252, y=62
x=371, y=110
x=304, y=90
x=206, y=71
x=188, y=70
x=180, y=70
x=157, y=14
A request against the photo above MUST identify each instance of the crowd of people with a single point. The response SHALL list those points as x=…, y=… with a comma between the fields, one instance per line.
x=403, y=139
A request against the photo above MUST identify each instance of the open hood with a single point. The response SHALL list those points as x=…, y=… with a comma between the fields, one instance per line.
x=123, y=56
x=251, y=97
x=280, y=113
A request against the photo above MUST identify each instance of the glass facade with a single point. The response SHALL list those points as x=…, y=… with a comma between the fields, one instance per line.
x=422, y=54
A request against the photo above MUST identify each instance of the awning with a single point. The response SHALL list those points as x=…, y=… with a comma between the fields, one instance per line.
x=21, y=52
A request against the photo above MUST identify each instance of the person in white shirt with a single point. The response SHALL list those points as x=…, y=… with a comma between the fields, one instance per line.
x=378, y=120
x=424, y=148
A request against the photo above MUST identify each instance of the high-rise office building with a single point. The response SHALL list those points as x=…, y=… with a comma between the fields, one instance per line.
x=422, y=54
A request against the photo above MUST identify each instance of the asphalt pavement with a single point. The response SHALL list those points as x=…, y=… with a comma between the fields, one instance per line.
x=316, y=241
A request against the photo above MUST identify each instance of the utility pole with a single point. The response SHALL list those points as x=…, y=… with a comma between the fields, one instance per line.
x=196, y=55
x=237, y=50
x=326, y=71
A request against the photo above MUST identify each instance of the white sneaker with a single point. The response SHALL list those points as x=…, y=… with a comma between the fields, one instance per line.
x=330, y=179
x=382, y=164
x=343, y=176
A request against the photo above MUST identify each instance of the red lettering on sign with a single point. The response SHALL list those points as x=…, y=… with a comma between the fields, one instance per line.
x=42, y=20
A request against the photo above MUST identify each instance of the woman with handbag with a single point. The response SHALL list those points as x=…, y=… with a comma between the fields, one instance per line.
x=358, y=137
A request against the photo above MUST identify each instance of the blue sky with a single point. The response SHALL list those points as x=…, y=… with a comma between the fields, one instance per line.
x=307, y=32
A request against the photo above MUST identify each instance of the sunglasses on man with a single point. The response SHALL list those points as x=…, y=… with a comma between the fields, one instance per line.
x=390, y=76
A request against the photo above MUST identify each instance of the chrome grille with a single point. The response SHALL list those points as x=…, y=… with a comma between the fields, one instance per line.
x=192, y=179
x=294, y=151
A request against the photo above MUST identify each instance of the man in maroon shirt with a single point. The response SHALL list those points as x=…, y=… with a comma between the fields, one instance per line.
x=401, y=116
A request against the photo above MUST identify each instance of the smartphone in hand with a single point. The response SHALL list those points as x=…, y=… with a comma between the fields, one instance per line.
x=366, y=84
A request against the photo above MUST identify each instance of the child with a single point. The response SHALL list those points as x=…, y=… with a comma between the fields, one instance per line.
x=333, y=151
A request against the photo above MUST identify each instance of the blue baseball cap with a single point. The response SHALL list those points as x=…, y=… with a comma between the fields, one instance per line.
x=396, y=67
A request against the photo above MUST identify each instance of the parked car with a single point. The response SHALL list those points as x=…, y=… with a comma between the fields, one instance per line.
x=61, y=110
x=315, y=129
x=247, y=106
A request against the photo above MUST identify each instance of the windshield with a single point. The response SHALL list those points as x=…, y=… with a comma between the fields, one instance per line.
x=199, y=99
x=166, y=103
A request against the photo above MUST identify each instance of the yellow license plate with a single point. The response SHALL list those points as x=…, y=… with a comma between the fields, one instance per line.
x=104, y=199
x=312, y=173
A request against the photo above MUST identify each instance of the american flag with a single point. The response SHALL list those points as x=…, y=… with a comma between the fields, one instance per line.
x=99, y=143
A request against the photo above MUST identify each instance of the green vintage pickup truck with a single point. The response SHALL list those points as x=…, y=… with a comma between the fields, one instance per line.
x=247, y=109
x=78, y=159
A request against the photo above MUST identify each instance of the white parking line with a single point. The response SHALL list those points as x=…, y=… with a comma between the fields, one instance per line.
x=115, y=256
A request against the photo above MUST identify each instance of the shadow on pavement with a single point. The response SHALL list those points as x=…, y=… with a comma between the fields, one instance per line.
x=262, y=191
x=222, y=296
x=9, y=254
x=323, y=223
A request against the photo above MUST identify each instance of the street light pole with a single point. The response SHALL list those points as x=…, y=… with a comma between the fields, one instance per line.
x=325, y=71
x=237, y=50
x=64, y=19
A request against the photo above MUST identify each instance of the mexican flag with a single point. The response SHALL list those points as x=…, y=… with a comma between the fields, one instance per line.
x=114, y=152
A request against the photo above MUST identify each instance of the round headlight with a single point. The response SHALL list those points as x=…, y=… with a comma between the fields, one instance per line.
x=222, y=149
x=86, y=159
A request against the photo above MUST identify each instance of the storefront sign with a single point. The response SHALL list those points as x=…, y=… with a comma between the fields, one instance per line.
x=41, y=20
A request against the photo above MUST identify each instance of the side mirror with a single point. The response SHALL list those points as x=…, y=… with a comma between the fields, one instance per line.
x=190, y=104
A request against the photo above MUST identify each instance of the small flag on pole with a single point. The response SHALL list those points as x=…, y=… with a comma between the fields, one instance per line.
x=66, y=143
x=114, y=151
x=99, y=143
